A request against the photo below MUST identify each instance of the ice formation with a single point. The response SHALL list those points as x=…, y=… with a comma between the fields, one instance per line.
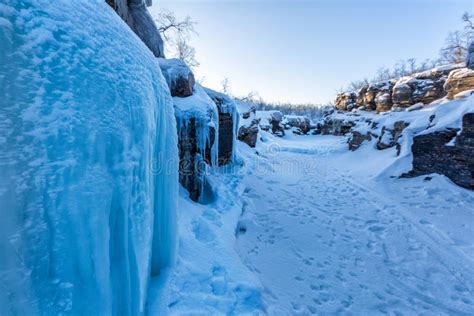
x=227, y=110
x=88, y=161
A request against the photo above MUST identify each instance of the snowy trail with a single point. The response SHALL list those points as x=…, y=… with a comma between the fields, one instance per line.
x=321, y=242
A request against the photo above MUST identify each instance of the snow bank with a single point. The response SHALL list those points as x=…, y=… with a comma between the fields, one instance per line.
x=88, y=162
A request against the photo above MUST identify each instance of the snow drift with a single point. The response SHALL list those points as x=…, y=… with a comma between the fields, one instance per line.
x=88, y=161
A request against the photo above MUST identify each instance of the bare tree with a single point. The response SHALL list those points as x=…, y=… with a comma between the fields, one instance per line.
x=177, y=34
x=412, y=66
x=455, y=48
x=383, y=73
x=170, y=27
x=468, y=23
x=251, y=97
x=225, y=84
x=184, y=51
x=357, y=84
x=457, y=42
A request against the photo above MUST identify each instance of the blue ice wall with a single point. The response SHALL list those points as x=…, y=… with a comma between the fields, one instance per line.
x=88, y=161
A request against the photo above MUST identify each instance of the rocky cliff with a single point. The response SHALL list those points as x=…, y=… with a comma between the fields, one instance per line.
x=207, y=126
x=439, y=139
x=449, y=152
x=136, y=15
x=420, y=88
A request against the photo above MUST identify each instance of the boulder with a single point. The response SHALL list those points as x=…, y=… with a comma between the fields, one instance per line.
x=334, y=126
x=424, y=87
x=402, y=94
x=179, y=77
x=248, y=124
x=429, y=90
x=389, y=136
x=249, y=133
x=345, y=101
x=357, y=138
x=275, y=121
x=459, y=80
x=383, y=95
x=301, y=123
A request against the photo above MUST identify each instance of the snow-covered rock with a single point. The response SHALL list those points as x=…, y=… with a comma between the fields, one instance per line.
x=423, y=87
x=390, y=134
x=345, y=101
x=88, y=162
x=449, y=152
x=302, y=124
x=198, y=128
x=179, y=77
x=433, y=130
x=271, y=120
x=248, y=124
x=459, y=80
x=228, y=125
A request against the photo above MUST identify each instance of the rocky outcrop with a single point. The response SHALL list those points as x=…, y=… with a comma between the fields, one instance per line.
x=179, y=77
x=275, y=121
x=228, y=122
x=424, y=88
x=389, y=136
x=345, y=101
x=410, y=90
x=459, y=80
x=302, y=124
x=383, y=96
x=437, y=153
x=334, y=126
x=470, y=57
x=136, y=15
x=357, y=138
x=248, y=130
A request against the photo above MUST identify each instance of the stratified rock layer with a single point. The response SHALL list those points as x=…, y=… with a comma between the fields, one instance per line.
x=433, y=153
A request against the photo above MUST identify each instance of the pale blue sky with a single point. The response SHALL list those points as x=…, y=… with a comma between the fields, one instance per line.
x=303, y=51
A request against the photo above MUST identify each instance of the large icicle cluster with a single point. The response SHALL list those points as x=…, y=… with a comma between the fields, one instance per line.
x=88, y=162
x=207, y=127
x=198, y=128
x=228, y=125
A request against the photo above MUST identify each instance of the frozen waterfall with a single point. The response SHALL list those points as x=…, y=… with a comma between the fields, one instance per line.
x=88, y=161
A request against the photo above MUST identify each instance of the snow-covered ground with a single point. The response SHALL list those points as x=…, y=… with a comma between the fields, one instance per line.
x=307, y=227
x=209, y=277
x=328, y=231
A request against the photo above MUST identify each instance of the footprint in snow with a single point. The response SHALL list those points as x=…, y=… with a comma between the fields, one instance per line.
x=376, y=229
x=202, y=231
x=218, y=280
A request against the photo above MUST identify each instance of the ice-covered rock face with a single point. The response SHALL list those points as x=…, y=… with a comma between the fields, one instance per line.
x=136, y=15
x=228, y=125
x=88, y=161
x=179, y=77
